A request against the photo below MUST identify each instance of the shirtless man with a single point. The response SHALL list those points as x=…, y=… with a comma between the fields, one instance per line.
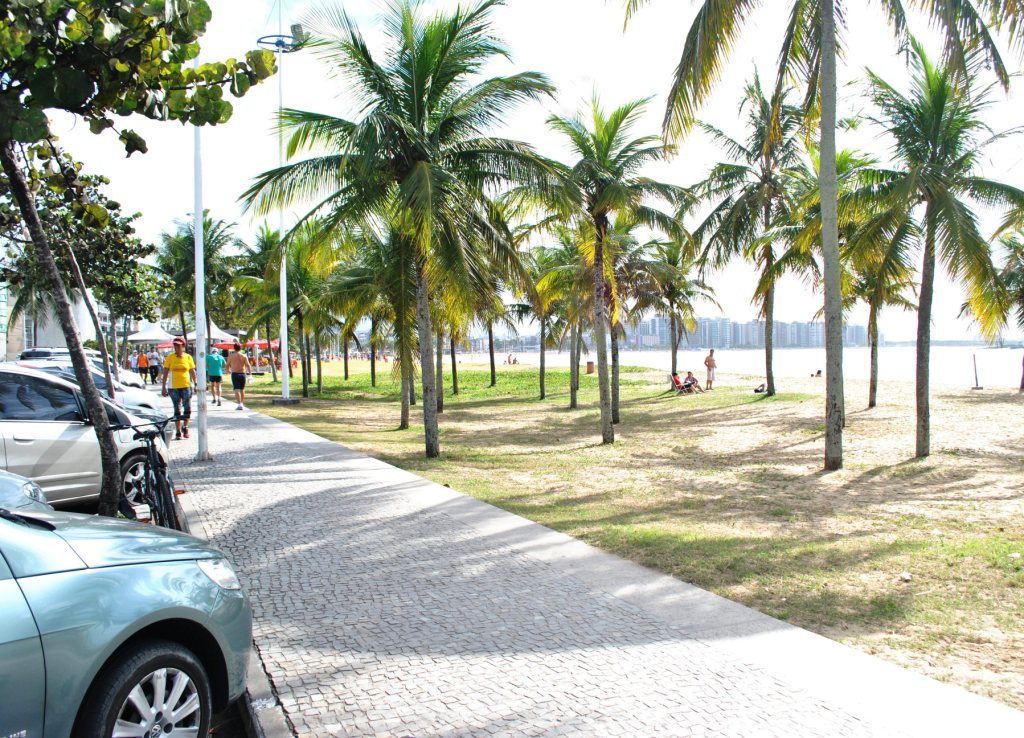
x=709, y=362
x=238, y=364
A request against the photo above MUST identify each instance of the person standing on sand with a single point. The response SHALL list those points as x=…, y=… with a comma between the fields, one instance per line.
x=239, y=366
x=710, y=363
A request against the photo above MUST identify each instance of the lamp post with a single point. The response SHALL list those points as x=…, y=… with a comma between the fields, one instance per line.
x=281, y=44
x=202, y=345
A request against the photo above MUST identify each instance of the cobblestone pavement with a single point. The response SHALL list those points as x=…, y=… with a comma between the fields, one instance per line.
x=386, y=605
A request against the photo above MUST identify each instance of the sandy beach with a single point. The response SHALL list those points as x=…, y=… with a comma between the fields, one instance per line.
x=918, y=561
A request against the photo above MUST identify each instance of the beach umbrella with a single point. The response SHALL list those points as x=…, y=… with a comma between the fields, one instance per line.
x=224, y=345
x=256, y=343
x=167, y=345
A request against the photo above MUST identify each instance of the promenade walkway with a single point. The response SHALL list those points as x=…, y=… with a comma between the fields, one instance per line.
x=386, y=605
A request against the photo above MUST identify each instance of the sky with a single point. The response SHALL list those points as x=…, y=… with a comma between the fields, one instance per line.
x=582, y=47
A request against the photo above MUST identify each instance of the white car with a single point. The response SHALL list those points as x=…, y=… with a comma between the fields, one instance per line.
x=45, y=436
x=133, y=399
x=63, y=356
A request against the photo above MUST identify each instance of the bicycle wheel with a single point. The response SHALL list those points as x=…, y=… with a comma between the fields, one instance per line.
x=152, y=496
x=166, y=494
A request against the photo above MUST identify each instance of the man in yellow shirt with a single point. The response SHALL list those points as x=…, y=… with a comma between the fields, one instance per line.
x=182, y=371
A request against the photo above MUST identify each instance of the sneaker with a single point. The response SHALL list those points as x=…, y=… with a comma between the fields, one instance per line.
x=239, y=407
x=185, y=432
x=177, y=436
x=218, y=403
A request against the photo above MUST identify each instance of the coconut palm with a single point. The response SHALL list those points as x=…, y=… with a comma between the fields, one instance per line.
x=255, y=261
x=1012, y=275
x=607, y=183
x=750, y=192
x=939, y=138
x=808, y=54
x=420, y=152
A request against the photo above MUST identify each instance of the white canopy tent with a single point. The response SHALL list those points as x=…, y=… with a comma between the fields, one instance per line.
x=151, y=333
x=216, y=334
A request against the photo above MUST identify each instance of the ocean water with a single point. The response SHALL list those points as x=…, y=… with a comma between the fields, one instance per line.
x=951, y=366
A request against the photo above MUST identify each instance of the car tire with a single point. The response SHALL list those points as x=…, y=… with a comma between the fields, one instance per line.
x=133, y=474
x=134, y=683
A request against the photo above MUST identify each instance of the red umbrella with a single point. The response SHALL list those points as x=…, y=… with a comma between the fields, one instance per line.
x=275, y=344
x=224, y=345
x=260, y=344
x=167, y=345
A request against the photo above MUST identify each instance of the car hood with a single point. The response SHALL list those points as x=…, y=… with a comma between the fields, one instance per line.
x=101, y=541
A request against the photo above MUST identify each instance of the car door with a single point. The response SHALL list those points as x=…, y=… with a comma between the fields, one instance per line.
x=22, y=672
x=47, y=439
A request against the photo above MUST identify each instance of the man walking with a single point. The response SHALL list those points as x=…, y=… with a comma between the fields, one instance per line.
x=238, y=365
x=709, y=362
x=156, y=365
x=143, y=366
x=182, y=371
x=215, y=372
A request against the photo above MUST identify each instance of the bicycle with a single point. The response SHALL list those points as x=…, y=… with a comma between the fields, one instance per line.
x=154, y=485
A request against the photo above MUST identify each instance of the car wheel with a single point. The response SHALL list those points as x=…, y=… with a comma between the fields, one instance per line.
x=133, y=475
x=156, y=688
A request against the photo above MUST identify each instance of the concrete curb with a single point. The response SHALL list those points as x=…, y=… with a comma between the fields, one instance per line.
x=261, y=711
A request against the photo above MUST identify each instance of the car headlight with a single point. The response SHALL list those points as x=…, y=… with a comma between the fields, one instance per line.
x=32, y=491
x=220, y=573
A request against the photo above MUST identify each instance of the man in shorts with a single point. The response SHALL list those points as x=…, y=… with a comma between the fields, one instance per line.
x=215, y=373
x=238, y=365
x=180, y=367
x=156, y=366
x=143, y=366
x=711, y=364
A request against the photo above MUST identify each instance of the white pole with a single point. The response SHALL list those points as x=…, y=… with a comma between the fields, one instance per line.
x=282, y=350
x=203, y=452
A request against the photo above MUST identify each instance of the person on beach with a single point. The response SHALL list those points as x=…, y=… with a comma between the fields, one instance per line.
x=133, y=361
x=692, y=383
x=711, y=364
x=156, y=364
x=239, y=366
x=143, y=365
x=181, y=368
x=215, y=373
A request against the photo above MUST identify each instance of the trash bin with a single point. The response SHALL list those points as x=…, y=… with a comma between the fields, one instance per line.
x=590, y=367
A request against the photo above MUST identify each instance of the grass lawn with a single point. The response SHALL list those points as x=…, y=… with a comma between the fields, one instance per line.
x=909, y=559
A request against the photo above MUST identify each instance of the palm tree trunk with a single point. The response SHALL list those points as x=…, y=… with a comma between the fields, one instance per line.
x=412, y=389
x=615, y=374
x=924, y=337
x=574, y=367
x=373, y=355
x=601, y=334
x=181, y=317
x=406, y=379
x=430, y=432
x=543, y=325
x=1021, y=376
x=345, y=356
x=270, y=350
x=490, y=349
x=873, y=343
x=302, y=354
x=111, y=485
x=319, y=374
x=675, y=342
x=834, y=403
x=440, y=371
x=309, y=359
x=455, y=370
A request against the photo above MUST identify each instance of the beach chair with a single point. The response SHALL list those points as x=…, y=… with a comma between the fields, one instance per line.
x=677, y=385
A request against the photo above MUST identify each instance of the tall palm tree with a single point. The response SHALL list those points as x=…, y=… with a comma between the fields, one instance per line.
x=1012, y=275
x=255, y=261
x=176, y=259
x=750, y=192
x=420, y=152
x=808, y=54
x=939, y=138
x=607, y=182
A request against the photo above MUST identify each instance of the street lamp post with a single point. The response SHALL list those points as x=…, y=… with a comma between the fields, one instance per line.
x=281, y=44
x=202, y=345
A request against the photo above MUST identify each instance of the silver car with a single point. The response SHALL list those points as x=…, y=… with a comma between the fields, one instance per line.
x=44, y=435
x=21, y=494
x=113, y=628
x=134, y=400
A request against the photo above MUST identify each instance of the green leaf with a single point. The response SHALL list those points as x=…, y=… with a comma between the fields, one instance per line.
x=240, y=84
x=95, y=215
x=133, y=142
x=262, y=63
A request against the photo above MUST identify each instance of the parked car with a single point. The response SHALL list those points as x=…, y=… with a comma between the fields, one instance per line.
x=46, y=436
x=19, y=493
x=126, y=376
x=134, y=400
x=111, y=627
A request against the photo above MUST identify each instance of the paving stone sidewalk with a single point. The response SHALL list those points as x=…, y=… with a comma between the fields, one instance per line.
x=386, y=605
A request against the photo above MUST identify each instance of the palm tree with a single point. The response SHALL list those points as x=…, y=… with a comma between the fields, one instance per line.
x=808, y=54
x=607, y=182
x=176, y=259
x=750, y=192
x=420, y=152
x=939, y=138
x=255, y=261
x=1012, y=275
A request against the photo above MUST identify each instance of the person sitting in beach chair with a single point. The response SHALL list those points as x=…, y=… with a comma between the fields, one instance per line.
x=692, y=384
x=677, y=384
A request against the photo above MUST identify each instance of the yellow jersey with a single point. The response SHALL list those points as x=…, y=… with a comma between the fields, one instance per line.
x=179, y=367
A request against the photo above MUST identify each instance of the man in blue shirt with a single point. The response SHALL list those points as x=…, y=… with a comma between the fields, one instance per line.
x=215, y=373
